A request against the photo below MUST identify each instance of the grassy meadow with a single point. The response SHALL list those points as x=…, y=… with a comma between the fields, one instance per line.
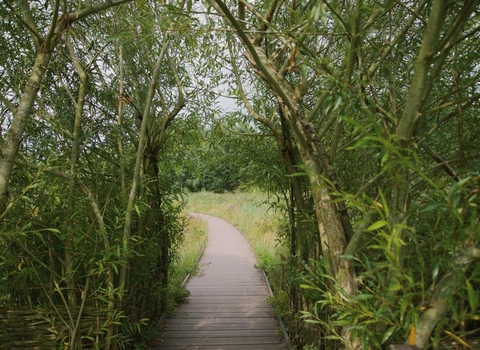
x=249, y=212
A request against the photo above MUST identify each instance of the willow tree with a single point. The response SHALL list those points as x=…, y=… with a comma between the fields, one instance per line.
x=45, y=33
x=155, y=110
x=382, y=81
x=86, y=226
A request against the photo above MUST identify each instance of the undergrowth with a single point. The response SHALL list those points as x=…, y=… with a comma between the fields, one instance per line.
x=188, y=253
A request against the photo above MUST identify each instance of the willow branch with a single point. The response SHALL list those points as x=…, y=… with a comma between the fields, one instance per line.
x=465, y=255
x=178, y=106
x=40, y=262
x=265, y=22
x=136, y=181
x=337, y=15
x=435, y=156
x=401, y=35
x=45, y=116
x=268, y=123
x=416, y=14
x=7, y=103
x=448, y=42
x=453, y=103
x=27, y=20
x=54, y=26
x=416, y=92
x=450, y=38
x=81, y=14
x=257, y=55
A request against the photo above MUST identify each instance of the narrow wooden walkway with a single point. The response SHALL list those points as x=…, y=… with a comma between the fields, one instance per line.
x=227, y=308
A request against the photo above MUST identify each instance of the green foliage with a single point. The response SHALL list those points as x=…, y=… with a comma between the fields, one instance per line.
x=63, y=234
x=393, y=279
x=190, y=248
x=218, y=159
x=347, y=78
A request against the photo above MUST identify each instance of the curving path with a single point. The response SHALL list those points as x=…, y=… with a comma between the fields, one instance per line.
x=227, y=308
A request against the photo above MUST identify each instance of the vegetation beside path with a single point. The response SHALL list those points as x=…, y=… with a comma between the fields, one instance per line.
x=362, y=117
x=249, y=212
x=189, y=251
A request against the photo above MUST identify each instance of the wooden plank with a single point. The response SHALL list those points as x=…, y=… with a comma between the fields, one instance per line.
x=226, y=314
x=220, y=326
x=223, y=347
x=211, y=304
x=225, y=297
x=237, y=277
x=228, y=333
x=219, y=320
x=204, y=341
x=238, y=293
x=226, y=285
x=244, y=286
x=226, y=308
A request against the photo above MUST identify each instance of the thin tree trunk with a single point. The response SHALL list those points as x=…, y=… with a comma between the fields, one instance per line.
x=136, y=181
x=17, y=128
x=333, y=234
x=120, y=101
x=74, y=157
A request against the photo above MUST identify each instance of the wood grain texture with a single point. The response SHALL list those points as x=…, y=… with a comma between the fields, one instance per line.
x=227, y=308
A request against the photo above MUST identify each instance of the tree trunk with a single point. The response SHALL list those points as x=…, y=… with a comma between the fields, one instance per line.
x=139, y=161
x=19, y=122
x=332, y=228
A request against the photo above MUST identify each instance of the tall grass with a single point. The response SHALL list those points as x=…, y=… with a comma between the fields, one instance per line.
x=250, y=213
x=189, y=250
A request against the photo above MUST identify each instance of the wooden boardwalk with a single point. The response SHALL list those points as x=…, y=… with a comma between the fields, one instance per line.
x=227, y=308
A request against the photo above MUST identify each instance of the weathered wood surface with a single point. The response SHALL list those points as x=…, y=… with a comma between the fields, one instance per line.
x=227, y=308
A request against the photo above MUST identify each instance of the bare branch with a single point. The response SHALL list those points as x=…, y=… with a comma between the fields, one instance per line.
x=401, y=34
x=178, y=106
x=81, y=14
x=268, y=123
